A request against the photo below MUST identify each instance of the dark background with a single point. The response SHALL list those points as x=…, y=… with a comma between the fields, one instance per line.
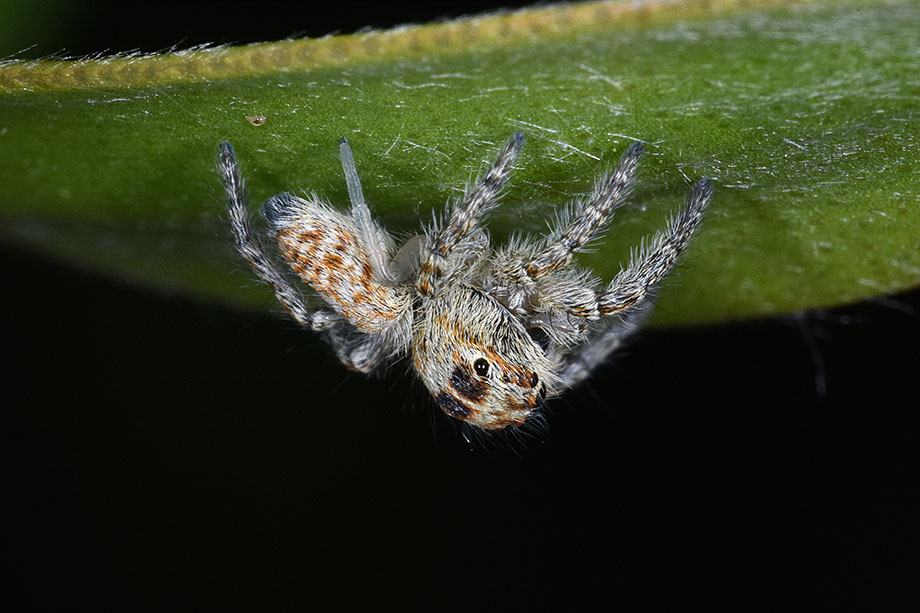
x=169, y=453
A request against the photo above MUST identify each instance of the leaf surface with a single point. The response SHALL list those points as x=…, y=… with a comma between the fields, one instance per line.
x=804, y=114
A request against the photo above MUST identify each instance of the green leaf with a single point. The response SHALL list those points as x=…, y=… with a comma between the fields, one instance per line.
x=804, y=114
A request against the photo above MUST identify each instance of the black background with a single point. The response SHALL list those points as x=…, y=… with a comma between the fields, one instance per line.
x=170, y=453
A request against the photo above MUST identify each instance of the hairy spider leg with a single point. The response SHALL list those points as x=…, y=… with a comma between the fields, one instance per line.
x=624, y=303
x=588, y=218
x=580, y=363
x=478, y=201
x=654, y=259
x=252, y=251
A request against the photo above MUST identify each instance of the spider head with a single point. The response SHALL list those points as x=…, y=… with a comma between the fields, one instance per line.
x=478, y=361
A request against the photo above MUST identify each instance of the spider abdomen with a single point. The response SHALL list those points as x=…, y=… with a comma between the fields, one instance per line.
x=321, y=245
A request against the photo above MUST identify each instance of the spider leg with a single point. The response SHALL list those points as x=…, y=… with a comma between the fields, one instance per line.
x=655, y=259
x=536, y=278
x=477, y=202
x=588, y=218
x=253, y=252
x=580, y=363
x=623, y=304
x=374, y=240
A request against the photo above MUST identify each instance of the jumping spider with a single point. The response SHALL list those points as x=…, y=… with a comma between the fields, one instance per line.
x=491, y=332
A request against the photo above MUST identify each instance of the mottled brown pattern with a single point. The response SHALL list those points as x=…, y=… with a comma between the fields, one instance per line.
x=515, y=405
x=498, y=423
x=523, y=404
x=517, y=374
x=452, y=406
x=623, y=302
x=469, y=385
x=332, y=263
x=313, y=236
x=424, y=288
x=430, y=268
x=332, y=260
x=428, y=271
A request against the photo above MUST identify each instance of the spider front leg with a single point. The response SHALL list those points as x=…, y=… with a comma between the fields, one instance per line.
x=477, y=202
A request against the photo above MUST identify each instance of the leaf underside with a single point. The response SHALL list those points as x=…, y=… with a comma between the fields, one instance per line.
x=804, y=115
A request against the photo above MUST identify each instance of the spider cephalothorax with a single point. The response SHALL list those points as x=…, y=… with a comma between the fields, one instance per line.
x=477, y=360
x=491, y=333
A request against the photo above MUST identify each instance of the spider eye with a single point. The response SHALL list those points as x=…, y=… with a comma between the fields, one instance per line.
x=481, y=366
x=534, y=379
x=542, y=392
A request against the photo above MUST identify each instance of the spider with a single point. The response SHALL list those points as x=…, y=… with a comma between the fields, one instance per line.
x=492, y=332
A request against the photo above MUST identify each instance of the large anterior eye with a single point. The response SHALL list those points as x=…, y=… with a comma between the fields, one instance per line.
x=481, y=366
